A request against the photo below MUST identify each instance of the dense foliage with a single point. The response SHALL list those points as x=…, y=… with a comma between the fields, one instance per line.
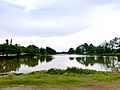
x=113, y=46
x=7, y=49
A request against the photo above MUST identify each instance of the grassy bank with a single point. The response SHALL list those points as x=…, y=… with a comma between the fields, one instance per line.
x=60, y=78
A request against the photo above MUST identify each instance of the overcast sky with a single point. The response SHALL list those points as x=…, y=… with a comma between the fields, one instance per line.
x=60, y=24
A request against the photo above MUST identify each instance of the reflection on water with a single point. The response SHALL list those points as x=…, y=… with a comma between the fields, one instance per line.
x=28, y=64
x=45, y=58
x=108, y=62
x=71, y=58
x=8, y=64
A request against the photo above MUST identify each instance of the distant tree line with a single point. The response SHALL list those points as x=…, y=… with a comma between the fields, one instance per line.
x=113, y=46
x=7, y=49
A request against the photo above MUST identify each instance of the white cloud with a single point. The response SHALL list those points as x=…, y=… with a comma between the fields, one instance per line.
x=65, y=23
x=31, y=4
x=52, y=18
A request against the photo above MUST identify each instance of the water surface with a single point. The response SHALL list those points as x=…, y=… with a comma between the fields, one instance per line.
x=27, y=64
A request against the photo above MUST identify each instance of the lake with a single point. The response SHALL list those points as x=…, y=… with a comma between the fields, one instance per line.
x=27, y=64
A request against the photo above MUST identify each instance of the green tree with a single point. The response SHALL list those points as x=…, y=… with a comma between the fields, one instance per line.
x=79, y=50
x=42, y=51
x=50, y=50
x=91, y=49
x=71, y=51
x=99, y=50
x=32, y=50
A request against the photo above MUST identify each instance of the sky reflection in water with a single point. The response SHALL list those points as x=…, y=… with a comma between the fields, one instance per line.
x=27, y=64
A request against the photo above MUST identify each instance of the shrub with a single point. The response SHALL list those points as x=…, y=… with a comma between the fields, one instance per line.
x=55, y=71
x=71, y=70
x=80, y=71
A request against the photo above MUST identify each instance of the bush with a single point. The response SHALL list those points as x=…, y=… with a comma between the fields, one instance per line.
x=80, y=71
x=71, y=70
x=55, y=71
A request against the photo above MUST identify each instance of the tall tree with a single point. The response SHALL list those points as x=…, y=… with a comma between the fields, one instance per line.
x=11, y=42
x=7, y=42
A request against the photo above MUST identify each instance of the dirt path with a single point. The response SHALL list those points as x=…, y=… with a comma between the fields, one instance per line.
x=30, y=88
x=83, y=87
x=96, y=87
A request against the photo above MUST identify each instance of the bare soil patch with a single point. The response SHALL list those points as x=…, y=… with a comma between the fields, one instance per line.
x=83, y=87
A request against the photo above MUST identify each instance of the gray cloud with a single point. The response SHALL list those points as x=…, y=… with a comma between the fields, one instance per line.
x=60, y=18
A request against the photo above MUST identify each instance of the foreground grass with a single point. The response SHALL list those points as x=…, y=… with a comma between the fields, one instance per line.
x=60, y=78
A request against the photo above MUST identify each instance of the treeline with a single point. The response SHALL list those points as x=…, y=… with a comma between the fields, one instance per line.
x=111, y=47
x=7, y=49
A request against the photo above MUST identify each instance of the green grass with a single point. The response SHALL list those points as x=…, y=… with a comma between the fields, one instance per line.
x=60, y=78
